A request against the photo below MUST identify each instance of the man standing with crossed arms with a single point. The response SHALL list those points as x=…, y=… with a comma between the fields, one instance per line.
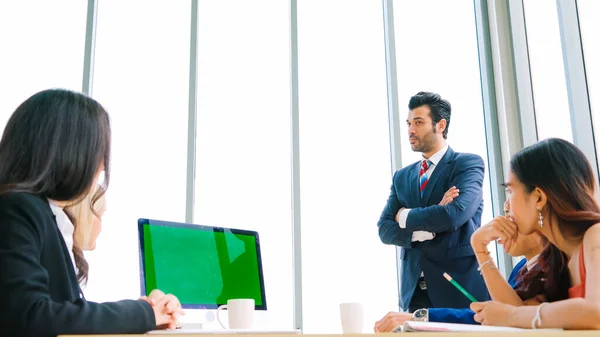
x=434, y=206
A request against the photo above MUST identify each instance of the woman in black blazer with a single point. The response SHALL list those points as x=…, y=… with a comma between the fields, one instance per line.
x=52, y=152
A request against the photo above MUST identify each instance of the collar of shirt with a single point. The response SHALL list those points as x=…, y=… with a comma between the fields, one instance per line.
x=531, y=263
x=436, y=157
x=66, y=228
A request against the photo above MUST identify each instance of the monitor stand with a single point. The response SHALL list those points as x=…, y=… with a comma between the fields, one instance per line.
x=190, y=326
x=198, y=319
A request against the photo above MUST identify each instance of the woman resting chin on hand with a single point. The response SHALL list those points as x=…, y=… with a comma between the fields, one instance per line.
x=526, y=285
x=551, y=189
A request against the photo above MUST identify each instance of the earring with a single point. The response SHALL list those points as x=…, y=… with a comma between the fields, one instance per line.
x=541, y=218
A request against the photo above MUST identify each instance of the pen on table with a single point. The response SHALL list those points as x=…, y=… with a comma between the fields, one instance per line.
x=459, y=287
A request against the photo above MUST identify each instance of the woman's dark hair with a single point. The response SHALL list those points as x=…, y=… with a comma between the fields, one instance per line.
x=549, y=277
x=562, y=171
x=53, y=146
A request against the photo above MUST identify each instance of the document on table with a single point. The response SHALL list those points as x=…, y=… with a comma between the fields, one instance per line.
x=412, y=326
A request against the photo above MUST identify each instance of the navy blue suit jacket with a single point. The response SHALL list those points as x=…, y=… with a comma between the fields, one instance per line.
x=465, y=315
x=450, y=251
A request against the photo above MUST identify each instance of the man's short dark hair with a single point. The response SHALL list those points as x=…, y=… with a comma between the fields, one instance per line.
x=439, y=107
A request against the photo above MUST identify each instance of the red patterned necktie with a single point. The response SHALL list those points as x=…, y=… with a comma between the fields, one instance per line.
x=423, y=175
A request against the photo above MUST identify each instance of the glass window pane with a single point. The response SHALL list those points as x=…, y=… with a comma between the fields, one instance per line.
x=243, y=136
x=42, y=45
x=344, y=162
x=589, y=27
x=141, y=78
x=547, y=70
x=443, y=58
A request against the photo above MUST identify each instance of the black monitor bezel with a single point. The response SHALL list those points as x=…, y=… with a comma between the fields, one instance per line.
x=143, y=222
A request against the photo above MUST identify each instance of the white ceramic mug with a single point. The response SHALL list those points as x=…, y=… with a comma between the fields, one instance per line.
x=240, y=313
x=352, y=317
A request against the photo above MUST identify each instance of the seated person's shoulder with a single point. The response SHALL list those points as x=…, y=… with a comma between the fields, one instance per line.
x=592, y=235
x=21, y=202
x=19, y=198
x=21, y=210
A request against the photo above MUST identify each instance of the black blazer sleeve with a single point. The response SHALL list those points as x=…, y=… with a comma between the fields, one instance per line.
x=26, y=305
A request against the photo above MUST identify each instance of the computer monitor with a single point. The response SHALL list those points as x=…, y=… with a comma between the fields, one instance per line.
x=203, y=266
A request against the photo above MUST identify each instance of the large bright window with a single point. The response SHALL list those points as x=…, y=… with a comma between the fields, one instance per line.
x=243, y=157
x=443, y=58
x=243, y=136
x=589, y=28
x=42, y=45
x=547, y=70
x=344, y=162
x=141, y=78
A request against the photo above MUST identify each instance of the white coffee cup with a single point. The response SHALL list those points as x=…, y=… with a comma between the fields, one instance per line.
x=240, y=313
x=352, y=317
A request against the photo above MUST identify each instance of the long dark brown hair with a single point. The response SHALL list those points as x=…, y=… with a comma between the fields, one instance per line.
x=549, y=277
x=563, y=172
x=53, y=146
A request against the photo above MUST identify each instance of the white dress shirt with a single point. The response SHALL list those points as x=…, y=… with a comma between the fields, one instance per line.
x=423, y=235
x=66, y=228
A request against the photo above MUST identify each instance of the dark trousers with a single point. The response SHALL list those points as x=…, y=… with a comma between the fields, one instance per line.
x=420, y=298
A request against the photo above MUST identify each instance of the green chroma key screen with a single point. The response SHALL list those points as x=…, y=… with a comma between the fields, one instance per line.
x=203, y=266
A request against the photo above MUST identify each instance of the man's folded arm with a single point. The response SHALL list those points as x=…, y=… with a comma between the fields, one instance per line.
x=438, y=219
x=390, y=232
